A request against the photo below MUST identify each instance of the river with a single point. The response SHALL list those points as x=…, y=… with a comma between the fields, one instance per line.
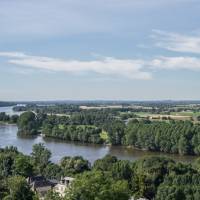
x=59, y=148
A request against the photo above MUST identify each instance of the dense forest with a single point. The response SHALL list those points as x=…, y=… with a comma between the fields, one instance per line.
x=99, y=126
x=158, y=178
x=82, y=133
x=174, y=137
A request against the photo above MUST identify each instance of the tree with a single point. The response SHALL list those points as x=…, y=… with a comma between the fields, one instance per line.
x=149, y=173
x=6, y=163
x=53, y=171
x=3, y=188
x=183, y=146
x=74, y=165
x=98, y=186
x=116, y=132
x=27, y=124
x=14, y=118
x=23, y=166
x=51, y=195
x=122, y=169
x=19, y=189
x=41, y=156
x=105, y=164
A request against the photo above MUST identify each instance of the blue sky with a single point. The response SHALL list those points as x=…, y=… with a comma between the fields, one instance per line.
x=99, y=49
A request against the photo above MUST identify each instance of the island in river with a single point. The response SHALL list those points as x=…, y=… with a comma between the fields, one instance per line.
x=60, y=148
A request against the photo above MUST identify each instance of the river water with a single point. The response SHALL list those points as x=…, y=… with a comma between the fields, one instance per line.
x=59, y=148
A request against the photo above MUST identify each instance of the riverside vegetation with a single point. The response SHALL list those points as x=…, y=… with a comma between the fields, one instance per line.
x=157, y=178
x=103, y=127
x=154, y=178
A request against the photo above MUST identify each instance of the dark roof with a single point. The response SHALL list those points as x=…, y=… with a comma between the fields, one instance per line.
x=45, y=183
x=37, y=178
x=39, y=181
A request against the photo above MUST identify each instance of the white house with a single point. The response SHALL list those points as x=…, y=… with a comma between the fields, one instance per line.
x=63, y=185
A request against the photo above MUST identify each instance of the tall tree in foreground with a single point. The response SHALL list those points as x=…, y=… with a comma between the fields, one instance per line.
x=41, y=156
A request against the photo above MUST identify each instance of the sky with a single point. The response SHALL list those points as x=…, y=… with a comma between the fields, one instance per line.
x=99, y=50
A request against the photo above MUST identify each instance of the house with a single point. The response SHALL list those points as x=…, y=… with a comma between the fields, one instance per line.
x=40, y=185
x=138, y=199
x=63, y=185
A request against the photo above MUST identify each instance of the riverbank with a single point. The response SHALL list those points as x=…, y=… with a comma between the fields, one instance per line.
x=60, y=148
x=7, y=123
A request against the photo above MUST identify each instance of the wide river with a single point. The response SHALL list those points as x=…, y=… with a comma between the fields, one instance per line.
x=59, y=148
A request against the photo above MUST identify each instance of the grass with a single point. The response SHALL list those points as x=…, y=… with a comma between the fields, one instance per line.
x=173, y=115
x=190, y=114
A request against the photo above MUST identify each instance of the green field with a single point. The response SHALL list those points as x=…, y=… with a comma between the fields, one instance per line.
x=191, y=114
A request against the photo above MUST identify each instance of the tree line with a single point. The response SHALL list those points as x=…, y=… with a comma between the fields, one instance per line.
x=182, y=137
x=158, y=178
x=7, y=118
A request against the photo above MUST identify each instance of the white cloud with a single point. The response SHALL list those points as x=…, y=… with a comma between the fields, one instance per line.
x=177, y=42
x=132, y=69
x=140, y=69
x=176, y=63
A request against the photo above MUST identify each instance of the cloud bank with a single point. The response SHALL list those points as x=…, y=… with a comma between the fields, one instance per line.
x=139, y=69
x=132, y=69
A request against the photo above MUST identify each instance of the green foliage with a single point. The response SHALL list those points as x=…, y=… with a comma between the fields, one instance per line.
x=148, y=174
x=51, y=195
x=52, y=109
x=104, y=136
x=116, y=132
x=83, y=133
x=122, y=169
x=105, y=164
x=19, y=189
x=185, y=186
x=173, y=137
x=3, y=188
x=196, y=164
x=98, y=186
x=27, y=124
x=41, y=156
x=74, y=165
x=23, y=166
x=7, y=159
x=155, y=177
x=4, y=117
x=52, y=171
x=8, y=119
x=87, y=126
